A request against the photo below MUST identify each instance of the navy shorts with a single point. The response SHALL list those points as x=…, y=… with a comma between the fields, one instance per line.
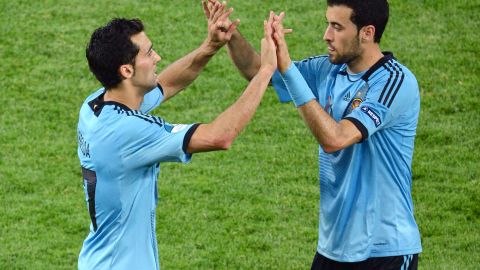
x=407, y=262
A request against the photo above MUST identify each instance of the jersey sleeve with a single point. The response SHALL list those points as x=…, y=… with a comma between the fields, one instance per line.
x=392, y=100
x=151, y=140
x=152, y=99
x=310, y=68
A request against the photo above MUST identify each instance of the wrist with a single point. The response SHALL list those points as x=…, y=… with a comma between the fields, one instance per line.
x=296, y=86
x=266, y=70
x=284, y=66
x=211, y=47
x=235, y=36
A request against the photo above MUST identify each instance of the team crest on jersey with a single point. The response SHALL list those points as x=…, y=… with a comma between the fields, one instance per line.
x=357, y=99
x=356, y=103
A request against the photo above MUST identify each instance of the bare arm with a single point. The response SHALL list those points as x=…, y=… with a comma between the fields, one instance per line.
x=220, y=134
x=181, y=73
x=243, y=55
x=332, y=136
x=178, y=75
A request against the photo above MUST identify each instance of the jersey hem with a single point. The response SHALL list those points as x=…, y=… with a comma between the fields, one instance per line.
x=359, y=126
x=188, y=137
x=372, y=255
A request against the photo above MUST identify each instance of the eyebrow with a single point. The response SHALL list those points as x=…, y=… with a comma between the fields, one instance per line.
x=333, y=22
x=150, y=49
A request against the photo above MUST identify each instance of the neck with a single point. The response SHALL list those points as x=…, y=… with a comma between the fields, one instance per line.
x=128, y=96
x=365, y=60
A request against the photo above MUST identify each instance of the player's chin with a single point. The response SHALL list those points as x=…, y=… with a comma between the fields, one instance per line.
x=332, y=58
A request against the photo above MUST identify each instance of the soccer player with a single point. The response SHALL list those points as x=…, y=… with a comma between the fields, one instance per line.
x=121, y=146
x=362, y=107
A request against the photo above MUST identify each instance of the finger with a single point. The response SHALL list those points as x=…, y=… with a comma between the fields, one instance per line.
x=218, y=11
x=225, y=15
x=267, y=29
x=212, y=2
x=278, y=40
x=278, y=28
x=205, y=8
x=287, y=31
x=232, y=28
x=233, y=25
x=211, y=9
x=270, y=18
x=281, y=16
x=270, y=21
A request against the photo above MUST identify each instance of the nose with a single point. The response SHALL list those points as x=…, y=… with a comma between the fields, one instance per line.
x=156, y=57
x=327, y=36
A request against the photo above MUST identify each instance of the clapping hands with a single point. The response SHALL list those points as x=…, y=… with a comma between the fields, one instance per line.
x=221, y=29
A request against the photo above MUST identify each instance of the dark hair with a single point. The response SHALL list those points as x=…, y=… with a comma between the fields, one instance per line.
x=367, y=12
x=110, y=47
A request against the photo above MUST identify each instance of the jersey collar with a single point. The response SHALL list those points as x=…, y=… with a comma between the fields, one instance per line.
x=98, y=103
x=386, y=57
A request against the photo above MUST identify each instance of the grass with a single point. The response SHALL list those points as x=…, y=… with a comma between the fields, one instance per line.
x=255, y=206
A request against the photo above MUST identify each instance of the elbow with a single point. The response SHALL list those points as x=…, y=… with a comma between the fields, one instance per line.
x=329, y=149
x=224, y=145
x=223, y=142
x=332, y=146
x=249, y=72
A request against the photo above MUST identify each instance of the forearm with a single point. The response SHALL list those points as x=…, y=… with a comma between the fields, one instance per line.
x=233, y=120
x=243, y=55
x=220, y=134
x=332, y=136
x=181, y=73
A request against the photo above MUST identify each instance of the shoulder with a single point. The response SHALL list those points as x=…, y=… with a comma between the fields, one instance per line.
x=393, y=81
x=393, y=73
x=319, y=62
x=91, y=97
x=136, y=117
x=135, y=123
x=316, y=58
x=319, y=65
x=94, y=95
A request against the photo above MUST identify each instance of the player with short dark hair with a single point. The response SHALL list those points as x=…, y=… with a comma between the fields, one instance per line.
x=362, y=106
x=365, y=13
x=110, y=47
x=121, y=145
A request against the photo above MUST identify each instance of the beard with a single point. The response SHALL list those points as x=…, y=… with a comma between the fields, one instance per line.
x=352, y=52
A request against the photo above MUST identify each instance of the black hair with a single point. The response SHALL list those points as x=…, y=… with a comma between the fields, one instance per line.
x=367, y=12
x=110, y=47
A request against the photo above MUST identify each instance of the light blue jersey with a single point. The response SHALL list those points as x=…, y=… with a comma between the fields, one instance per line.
x=366, y=207
x=120, y=150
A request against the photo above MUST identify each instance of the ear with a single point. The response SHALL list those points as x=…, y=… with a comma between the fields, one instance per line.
x=126, y=71
x=368, y=34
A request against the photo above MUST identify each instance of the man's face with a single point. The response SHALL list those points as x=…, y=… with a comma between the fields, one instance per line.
x=341, y=35
x=145, y=76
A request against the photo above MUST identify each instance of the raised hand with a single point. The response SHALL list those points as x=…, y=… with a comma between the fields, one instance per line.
x=220, y=27
x=283, y=57
x=268, y=51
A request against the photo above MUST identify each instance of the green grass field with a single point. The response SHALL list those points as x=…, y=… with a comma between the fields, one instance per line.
x=255, y=206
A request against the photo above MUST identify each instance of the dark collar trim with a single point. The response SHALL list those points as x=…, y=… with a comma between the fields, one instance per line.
x=386, y=57
x=97, y=104
x=161, y=88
